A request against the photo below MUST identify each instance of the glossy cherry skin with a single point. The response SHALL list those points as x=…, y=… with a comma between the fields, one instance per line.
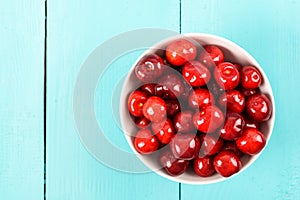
x=210, y=145
x=170, y=86
x=183, y=122
x=248, y=92
x=173, y=107
x=141, y=122
x=195, y=73
x=180, y=51
x=200, y=97
x=148, y=88
x=185, y=146
x=155, y=109
x=211, y=56
x=231, y=146
x=208, y=119
x=173, y=166
x=250, y=123
x=233, y=126
x=227, y=75
x=250, y=77
x=149, y=68
x=164, y=131
x=258, y=107
x=136, y=101
x=233, y=100
x=251, y=142
x=145, y=142
x=204, y=166
x=227, y=163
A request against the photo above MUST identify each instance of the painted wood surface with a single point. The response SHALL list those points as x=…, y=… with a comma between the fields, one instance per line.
x=21, y=99
x=268, y=31
x=75, y=29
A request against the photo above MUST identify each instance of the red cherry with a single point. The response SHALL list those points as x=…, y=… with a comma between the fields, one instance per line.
x=209, y=119
x=163, y=131
x=173, y=166
x=250, y=77
x=136, y=101
x=238, y=66
x=227, y=163
x=211, y=56
x=145, y=142
x=248, y=92
x=141, y=122
x=233, y=100
x=148, y=88
x=185, y=146
x=233, y=126
x=251, y=142
x=231, y=146
x=258, y=107
x=200, y=98
x=204, y=167
x=170, y=86
x=155, y=109
x=180, y=51
x=183, y=122
x=173, y=107
x=210, y=145
x=195, y=73
x=227, y=75
x=149, y=68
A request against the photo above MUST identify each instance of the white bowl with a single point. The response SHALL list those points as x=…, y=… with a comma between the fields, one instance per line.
x=233, y=53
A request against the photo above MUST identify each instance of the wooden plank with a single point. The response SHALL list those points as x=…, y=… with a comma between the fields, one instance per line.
x=75, y=28
x=269, y=33
x=21, y=107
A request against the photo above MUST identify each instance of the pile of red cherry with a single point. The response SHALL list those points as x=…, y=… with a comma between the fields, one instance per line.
x=204, y=110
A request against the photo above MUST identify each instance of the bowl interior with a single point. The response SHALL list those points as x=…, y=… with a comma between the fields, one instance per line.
x=232, y=52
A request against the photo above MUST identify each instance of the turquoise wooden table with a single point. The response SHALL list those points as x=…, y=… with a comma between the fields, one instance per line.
x=42, y=47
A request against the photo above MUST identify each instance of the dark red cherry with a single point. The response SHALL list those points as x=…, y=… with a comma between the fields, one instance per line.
x=258, y=107
x=173, y=107
x=170, y=86
x=195, y=73
x=173, y=166
x=185, y=146
x=227, y=163
x=250, y=123
x=200, y=97
x=250, y=77
x=180, y=51
x=136, y=101
x=141, y=122
x=233, y=100
x=149, y=68
x=208, y=119
x=227, y=75
x=204, y=166
x=148, y=88
x=163, y=131
x=211, y=56
x=155, y=109
x=145, y=142
x=210, y=145
x=251, y=142
x=248, y=92
x=231, y=146
x=233, y=126
x=183, y=122
x=238, y=66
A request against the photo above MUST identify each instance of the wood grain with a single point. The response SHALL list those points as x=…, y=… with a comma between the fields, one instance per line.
x=268, y=32
x=21, y=107
x=75, y=28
